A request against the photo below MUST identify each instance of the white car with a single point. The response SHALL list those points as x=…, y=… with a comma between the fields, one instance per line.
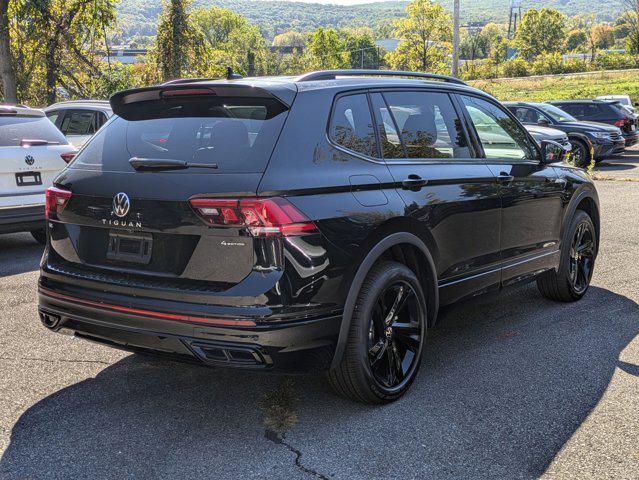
x=32, y=153
x=78, y=120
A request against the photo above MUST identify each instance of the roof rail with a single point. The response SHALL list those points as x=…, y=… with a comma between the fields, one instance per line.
x=333, y=74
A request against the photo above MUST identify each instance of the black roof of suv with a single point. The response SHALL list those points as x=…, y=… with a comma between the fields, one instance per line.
x=307, y=223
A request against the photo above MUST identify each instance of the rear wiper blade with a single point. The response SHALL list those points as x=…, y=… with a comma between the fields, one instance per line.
x=151, y=164
x=36, y=142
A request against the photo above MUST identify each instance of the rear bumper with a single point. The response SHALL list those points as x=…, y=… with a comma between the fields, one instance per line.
x=22, y=219
x=291, y=347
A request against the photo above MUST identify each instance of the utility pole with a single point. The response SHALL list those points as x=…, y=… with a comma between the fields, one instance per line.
x=455, y=37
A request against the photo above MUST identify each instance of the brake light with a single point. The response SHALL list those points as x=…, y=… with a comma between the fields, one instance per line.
x=620, y=123
x=56, y=200
x=186, y=92
x=263, y=217
x=67, y=157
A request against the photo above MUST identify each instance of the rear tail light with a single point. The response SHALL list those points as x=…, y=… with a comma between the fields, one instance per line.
x=67, y=157
x=56, y=201
x=621, y=123
x=263, y=217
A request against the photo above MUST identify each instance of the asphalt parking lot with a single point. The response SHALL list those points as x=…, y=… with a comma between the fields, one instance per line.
x=513, y=386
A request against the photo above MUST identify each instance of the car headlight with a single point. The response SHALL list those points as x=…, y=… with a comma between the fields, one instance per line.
x=601, y=135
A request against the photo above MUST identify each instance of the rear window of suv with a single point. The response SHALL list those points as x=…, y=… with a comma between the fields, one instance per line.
x=238, y=135
x=15, y=129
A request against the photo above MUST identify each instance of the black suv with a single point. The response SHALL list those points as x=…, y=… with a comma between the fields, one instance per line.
x=602, y=111
x=588, y=139
x=309, y=223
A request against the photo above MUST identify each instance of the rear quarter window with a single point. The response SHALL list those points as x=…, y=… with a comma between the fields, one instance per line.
x=236, y=135
x=15, y=129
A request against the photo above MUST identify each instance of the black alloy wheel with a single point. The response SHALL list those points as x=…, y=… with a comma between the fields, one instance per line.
x=395, y=335
x=581, y=153
x=582, y=257
x=386, y=336
x=578, y=253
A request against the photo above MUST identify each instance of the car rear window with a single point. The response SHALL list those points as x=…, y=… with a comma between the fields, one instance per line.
x=15, y=129
x=238, y=135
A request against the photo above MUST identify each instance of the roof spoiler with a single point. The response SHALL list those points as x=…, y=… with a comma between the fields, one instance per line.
x=128, y=103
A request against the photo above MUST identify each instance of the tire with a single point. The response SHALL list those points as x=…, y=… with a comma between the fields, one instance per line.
x=40, y=236
x=385, y=344
x=571, y=281
x=581, y=153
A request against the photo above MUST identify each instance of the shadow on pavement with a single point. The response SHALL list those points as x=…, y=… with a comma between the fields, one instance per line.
x=19, y=253
x=506, y=382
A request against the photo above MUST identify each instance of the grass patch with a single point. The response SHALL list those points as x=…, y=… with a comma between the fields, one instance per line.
x=561, y=87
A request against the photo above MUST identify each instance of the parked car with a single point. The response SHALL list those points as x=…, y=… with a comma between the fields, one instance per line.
x=32, y=153
x=623, y=100
x=603, y=112
x=308, y=223
x=588, y=139
x=78, y=120
x=540, y=134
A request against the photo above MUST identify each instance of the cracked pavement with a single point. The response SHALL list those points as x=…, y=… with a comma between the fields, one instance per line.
x=513, y=386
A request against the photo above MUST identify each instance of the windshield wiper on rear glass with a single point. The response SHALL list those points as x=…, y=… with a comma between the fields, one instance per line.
x=156, y=164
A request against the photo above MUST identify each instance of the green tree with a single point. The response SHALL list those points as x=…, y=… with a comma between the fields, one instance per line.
x=229, y=40
x=540, y=31
x=69, y=32
x=177, y=44
x=424, y=38
x=290, y=38
x=361, y=47
x=326, y=51
x=7, y=71
x=576, y=40
x=604, y=36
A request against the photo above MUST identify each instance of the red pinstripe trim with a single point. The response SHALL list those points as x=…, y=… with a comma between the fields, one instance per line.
x=150, y=313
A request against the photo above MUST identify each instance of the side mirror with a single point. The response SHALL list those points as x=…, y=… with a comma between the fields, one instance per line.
x=552, y=152
x=543, y=122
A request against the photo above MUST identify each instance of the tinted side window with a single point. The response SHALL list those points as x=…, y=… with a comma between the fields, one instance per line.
x=500, y=135
x=352, y=125
x=53, y=115
x=527, y=115
x=428, y=124
x=390, y=140
x=15, y=129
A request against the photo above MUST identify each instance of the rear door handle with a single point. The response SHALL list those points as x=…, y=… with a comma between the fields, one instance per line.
x=414, y=182
x=505, y=178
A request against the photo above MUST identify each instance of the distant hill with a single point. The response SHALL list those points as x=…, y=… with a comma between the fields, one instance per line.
x=275, y=16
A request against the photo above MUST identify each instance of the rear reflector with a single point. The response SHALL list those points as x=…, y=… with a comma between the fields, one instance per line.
x=56, y=201
x=262, y=216
x=67, y=157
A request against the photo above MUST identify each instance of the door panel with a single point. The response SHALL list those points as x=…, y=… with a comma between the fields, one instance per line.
x=454, y=199
x=531, y=193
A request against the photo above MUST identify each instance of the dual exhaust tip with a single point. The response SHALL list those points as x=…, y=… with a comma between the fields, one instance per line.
x=49, y=320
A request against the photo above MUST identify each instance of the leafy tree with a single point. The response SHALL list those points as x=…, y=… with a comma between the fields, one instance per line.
x=7, y=71
x=631, y=17
x=177, y=46
x=576, y=40
x=361, y=47
x=424, y=38
x=290, y=38
x=229, y=40
x=540, y=31
x=326, y=51
x=603, y=36
x=62, y=52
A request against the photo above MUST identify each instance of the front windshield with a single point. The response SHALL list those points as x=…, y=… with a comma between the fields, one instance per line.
x=557, y=114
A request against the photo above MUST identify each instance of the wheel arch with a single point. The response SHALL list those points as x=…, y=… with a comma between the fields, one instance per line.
x=414, y=253
x=587, y=200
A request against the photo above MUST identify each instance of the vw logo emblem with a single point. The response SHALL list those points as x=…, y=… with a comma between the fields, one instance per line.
x=29, y=160
x=121, y=204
